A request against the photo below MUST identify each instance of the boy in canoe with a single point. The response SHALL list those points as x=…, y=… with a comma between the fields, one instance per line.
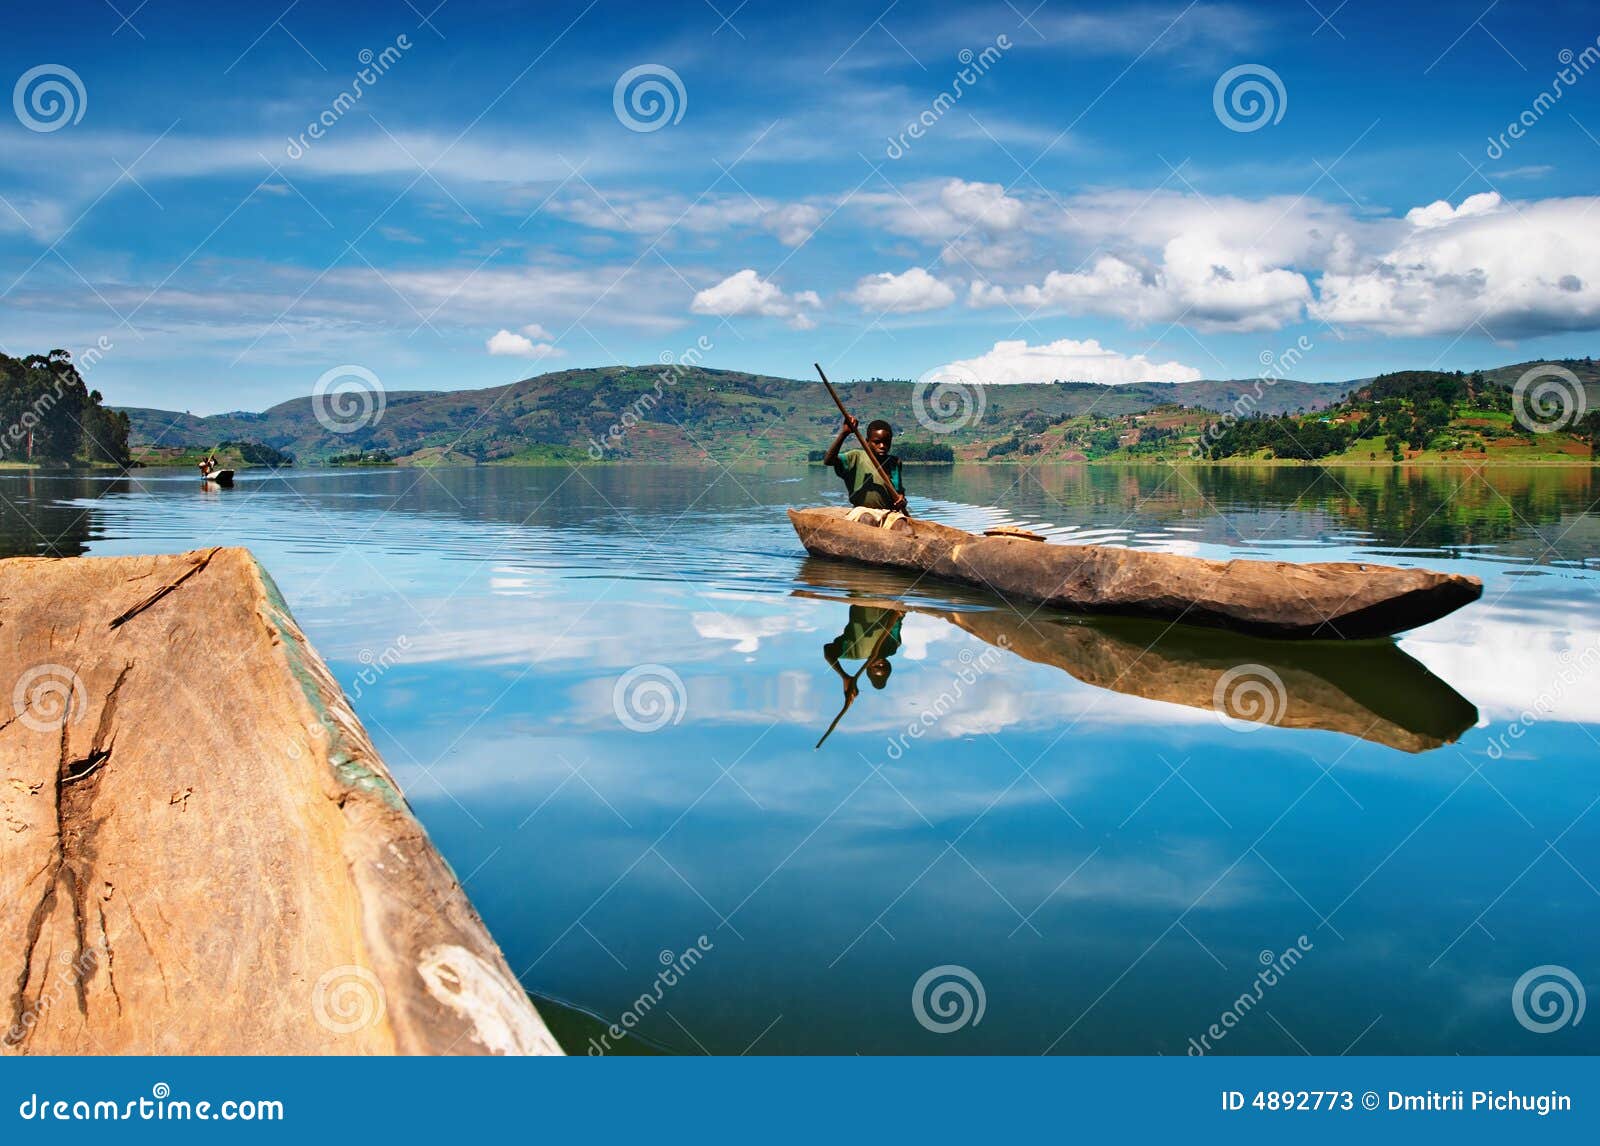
x=862, y=477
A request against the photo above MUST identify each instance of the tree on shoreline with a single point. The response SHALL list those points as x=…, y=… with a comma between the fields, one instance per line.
x=48, y=414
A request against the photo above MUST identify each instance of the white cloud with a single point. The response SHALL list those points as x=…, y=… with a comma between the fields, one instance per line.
x=1198, y=282
x=651, y=213
x=1515, y=269
x=745, y=292
x=914, y=290
x=538, y=333
x=1532, y=666
x=975, y=223
x=1197, y=30
x=1066, y=360
x=638, y=296
x=1216, y=263
x=939, y=211
x=984, y=205
x=486, y=159
x=507, y=345
x=1439, y=212
x=792, y=223
x=44, y=219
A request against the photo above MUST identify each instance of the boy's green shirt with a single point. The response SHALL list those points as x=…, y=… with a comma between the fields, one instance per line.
x=867, y=625
x=861, y=478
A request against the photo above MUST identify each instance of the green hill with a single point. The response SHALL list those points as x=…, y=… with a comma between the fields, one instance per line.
x=665, y=414
x=673, y=414
x=1431, y=416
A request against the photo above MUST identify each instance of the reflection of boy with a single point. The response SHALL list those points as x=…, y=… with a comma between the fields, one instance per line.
x=872, y=635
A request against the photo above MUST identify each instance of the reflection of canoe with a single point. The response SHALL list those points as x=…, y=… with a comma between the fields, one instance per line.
x=1371, y=689
x=1343, y=600
x=218, y=477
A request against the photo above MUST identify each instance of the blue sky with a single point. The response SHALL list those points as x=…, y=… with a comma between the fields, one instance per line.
x=1093, y=205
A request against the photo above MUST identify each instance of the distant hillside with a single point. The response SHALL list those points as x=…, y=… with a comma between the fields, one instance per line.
x=1411, y=416
x=663, y=414
x=721, y=413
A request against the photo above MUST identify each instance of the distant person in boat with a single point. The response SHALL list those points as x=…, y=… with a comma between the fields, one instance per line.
x=208, y=465
x=861, y=476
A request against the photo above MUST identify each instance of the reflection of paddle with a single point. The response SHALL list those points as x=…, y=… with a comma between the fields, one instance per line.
x=855, y=428
x=850, y=693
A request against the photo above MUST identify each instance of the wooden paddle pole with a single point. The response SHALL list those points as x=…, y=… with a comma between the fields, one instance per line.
x=856, y=429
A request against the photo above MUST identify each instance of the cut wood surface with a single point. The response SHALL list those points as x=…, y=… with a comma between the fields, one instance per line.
x=200, y=850
x=1331, y=600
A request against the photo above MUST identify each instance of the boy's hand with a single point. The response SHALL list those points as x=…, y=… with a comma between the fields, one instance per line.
x=900, y=504
x=850, y=424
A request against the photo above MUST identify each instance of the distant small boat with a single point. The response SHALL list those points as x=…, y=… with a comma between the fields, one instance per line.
x=219, y=477
x=1336, y=600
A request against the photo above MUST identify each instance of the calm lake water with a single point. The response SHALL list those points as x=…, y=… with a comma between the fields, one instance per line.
x=602, y=692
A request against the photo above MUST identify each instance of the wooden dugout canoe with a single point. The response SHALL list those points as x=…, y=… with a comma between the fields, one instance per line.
x=1338, y=600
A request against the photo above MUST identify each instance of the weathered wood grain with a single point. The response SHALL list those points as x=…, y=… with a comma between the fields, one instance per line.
x=1343, y=600
x=200, y=850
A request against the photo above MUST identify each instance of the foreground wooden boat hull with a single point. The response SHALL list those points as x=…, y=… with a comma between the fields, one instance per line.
x=1343, y=600
x=214, y=862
